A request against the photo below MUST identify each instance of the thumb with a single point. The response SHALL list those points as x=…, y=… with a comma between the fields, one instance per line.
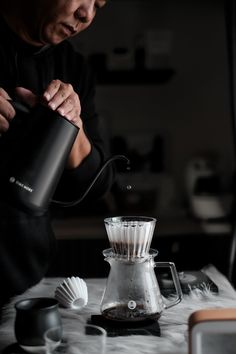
x=26, y=96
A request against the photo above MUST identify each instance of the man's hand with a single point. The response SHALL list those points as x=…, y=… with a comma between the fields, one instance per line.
x=61, y=97
x=7, y=111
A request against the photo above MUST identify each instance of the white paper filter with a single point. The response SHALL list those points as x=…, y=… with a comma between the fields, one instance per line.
x=130, y=236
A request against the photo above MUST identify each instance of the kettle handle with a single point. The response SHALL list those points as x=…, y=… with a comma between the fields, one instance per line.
x=176, y=281
x=19, y=106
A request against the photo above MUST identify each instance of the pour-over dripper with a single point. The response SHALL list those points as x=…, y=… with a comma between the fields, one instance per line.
x=130, y=236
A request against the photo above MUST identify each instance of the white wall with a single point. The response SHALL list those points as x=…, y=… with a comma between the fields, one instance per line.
x=191, y=111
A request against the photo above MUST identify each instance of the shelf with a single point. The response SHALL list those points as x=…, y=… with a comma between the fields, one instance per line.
x=90, y=228
x=134, y=77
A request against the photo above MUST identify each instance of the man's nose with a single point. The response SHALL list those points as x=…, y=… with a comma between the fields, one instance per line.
x=86, y=12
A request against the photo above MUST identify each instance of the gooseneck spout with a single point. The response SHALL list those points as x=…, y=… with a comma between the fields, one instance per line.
x=106, y=163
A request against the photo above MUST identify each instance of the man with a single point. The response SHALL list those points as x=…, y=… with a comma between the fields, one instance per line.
x=39, y=65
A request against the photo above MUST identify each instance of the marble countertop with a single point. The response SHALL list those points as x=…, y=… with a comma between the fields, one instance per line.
x=173, y=322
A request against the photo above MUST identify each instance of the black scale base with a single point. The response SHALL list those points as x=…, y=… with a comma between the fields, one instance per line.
x=118, y=328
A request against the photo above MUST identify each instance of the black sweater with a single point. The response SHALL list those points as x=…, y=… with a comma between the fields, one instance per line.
x=26, y=241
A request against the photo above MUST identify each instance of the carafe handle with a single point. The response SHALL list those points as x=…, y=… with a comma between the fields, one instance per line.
x=175, y=278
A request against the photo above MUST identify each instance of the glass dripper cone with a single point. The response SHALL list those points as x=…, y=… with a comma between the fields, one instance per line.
x=130, y=236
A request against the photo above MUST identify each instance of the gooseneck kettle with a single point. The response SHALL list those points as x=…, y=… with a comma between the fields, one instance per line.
x=34, y=152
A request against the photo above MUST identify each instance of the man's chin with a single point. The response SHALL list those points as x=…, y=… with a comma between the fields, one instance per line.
x=52, y=41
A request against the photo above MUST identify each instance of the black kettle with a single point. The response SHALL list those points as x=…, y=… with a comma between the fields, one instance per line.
x=34, y=152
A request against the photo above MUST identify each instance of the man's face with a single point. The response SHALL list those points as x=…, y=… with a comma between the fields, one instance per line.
x=61, y=19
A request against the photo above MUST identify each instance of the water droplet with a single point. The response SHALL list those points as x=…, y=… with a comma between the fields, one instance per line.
x=128, y=187
x=128, y=168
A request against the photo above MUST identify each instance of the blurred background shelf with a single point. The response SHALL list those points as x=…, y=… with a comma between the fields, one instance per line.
x=134, y=77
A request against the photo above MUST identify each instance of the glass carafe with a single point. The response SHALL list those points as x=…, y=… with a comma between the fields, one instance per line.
x=132, y=292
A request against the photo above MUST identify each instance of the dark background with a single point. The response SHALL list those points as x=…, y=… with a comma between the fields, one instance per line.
x=163, y=94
